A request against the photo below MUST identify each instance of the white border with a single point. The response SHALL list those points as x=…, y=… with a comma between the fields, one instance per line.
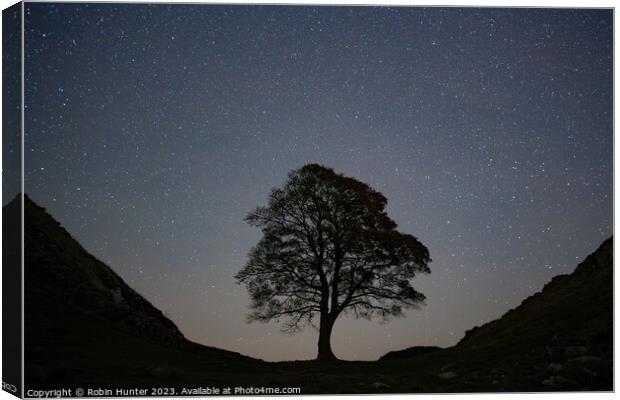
x=458, y=3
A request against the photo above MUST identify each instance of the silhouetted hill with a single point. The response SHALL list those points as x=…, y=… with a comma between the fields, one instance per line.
x=579, y=298
x=410, y=352
x=59, y=268
x=559, y=338
x=85, y=327
x=81, y=317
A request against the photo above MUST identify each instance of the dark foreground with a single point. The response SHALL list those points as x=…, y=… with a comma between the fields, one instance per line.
x=86, y=328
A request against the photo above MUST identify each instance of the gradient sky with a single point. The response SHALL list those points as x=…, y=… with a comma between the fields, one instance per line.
x=151, y=131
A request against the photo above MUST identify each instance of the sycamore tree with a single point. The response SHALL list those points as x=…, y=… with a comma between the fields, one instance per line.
x=328, y=248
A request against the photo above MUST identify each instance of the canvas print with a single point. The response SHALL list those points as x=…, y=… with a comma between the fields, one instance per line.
x=305, y=199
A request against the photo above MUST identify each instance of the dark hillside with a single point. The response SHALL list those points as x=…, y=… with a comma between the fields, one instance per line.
x=58, y=268
x=410, y=352
x=84, y=324
x=558, y=339
x=85, y=327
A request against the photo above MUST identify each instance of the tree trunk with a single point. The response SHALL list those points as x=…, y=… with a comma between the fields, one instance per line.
x=325, y=333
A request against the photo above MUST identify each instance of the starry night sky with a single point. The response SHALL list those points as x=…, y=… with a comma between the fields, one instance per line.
x=151, y=131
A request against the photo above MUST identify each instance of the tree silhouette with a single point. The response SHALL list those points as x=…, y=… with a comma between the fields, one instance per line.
x=329, y=248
